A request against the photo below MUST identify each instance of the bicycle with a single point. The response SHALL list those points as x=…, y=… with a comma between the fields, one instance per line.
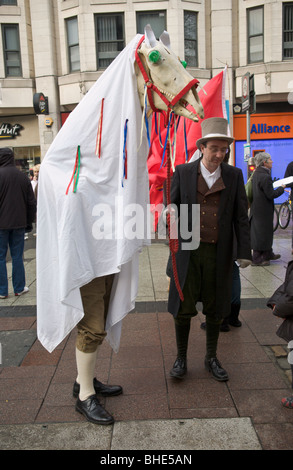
x=285, y=212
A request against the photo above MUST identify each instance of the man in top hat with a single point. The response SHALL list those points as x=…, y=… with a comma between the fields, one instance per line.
x=205, y=271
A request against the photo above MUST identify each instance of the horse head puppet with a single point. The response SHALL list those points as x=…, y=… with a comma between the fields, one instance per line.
x=162, y=75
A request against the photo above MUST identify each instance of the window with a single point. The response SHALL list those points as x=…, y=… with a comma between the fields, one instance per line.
x=8, y=2
x=73, y=44
x=109, y=37
x=255, y=35
x=11, y=49
x=287, y=30
x=157, y=20
x=190, y=38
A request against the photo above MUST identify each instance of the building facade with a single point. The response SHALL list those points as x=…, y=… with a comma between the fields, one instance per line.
x=54, y=50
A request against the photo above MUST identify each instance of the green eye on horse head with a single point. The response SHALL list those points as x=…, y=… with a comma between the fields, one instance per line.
x=154, y=56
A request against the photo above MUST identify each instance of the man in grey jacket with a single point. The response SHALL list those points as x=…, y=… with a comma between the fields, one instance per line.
x=17, y=212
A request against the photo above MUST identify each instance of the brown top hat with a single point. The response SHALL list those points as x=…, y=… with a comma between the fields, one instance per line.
x=214, y=128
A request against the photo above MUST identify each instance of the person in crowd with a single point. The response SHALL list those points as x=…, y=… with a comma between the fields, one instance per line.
x=205, y=272
x=34, y=181
x=17, y=214
x=281, y=302
x=262, y=211
x=289, y=172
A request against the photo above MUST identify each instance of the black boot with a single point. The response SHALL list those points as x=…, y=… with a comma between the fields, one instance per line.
x=233, y=318
x=182, y=328
x=179, y=368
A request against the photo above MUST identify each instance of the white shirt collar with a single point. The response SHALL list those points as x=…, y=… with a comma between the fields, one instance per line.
x=210, y=178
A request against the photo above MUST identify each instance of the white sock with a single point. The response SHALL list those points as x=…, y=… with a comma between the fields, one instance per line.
x=86, y=363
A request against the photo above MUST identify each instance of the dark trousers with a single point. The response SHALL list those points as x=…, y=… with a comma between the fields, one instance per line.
x=200, y=285
x=14, y=239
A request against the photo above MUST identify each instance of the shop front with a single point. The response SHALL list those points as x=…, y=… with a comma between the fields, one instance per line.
x=22, y=134
x=269, y=132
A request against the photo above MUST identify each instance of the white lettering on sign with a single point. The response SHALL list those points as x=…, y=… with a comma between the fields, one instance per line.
x=265, y=129
x=8, y=131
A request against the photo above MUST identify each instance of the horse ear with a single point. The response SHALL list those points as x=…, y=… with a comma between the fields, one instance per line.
x=150, y=38
x=165, y=39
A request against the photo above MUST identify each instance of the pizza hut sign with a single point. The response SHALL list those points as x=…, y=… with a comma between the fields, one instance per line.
x=9, y=131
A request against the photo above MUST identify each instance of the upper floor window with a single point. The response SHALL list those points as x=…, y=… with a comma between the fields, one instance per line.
x=255, y=34
x=8, y=2
x=73, y=44
x=157, y=20
x=109, y=37
x=11, y=50
x=190, y=38
x=287, y=30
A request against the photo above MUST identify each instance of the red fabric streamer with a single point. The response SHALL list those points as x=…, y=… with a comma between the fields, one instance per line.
x=99, y=133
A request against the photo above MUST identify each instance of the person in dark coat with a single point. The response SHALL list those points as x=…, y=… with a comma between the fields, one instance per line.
x=262, y=211
x=281, y=303
x=289, y=172
x=17, y=214
x=205, y=268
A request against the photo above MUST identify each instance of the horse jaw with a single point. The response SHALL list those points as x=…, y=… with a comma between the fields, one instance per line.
x=170, y=77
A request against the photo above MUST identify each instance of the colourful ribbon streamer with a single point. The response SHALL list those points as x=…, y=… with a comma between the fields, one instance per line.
x=75, y=173
x=99, y=133
x=125, y=153
x=160, y=136
x=146, y=121
x=166, y=140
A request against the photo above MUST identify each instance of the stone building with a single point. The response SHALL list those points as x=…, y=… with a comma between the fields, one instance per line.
x=54, y=50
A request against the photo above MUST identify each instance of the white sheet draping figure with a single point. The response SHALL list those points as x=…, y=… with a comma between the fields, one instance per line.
x=71, y=247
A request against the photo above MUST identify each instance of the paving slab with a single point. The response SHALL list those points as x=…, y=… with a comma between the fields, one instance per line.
x=15, y=345
x=69, y=436
x=186, y=434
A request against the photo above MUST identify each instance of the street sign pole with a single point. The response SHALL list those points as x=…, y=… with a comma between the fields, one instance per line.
x=246, y=107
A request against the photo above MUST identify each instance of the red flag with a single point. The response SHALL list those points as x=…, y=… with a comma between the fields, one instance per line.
x=184, y=145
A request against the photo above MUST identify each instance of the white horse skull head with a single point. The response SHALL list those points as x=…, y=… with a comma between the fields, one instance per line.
x=164, y=70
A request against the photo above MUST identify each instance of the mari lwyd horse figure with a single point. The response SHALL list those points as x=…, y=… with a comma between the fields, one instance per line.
x=94, y=177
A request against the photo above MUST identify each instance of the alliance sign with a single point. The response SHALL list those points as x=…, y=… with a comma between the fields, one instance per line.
x=264, y=126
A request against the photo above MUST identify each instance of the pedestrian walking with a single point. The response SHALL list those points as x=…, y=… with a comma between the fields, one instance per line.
x=262, y=211
x=17, y=214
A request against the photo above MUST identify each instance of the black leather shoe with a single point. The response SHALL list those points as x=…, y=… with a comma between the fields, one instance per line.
x=93, y=411
x=214, y=366
x=179, y=368
x=100, y=389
